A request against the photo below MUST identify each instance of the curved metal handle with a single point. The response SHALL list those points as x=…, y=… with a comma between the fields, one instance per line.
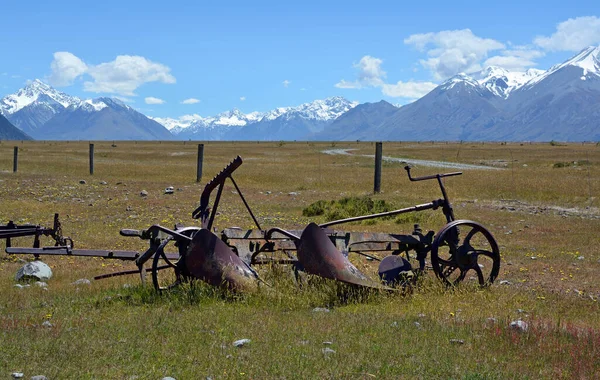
x=435, y=176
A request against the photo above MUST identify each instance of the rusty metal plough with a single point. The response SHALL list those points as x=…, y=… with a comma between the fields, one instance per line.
x=459, y=248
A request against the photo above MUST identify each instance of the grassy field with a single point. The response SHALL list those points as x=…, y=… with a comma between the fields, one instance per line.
x=542, y=206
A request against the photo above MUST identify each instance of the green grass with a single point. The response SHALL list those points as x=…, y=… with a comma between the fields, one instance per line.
x=107, y=331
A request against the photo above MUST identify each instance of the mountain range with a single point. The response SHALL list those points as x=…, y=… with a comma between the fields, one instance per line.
x=493, y=104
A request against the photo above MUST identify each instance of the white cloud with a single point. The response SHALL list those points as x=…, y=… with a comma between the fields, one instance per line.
x=411, y=90
x=370, y=71
x=121, y=76
x=345, y=84
x=66, y=67
x=125, y=74
x=370, y=74
x=518, y=59
x=452, y=51
x=242, y=98
x=153, y=100
x=572, y=35
x=286, y=83
x=190, y=101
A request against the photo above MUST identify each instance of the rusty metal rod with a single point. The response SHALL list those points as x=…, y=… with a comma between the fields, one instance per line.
x=126, y=272
x=425, y=206
x=245, y=203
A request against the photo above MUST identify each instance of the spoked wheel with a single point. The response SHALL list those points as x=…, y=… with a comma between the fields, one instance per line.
x=171, y=273
x=464, y=249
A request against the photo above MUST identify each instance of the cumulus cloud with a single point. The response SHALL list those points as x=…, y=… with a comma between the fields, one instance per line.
x=153, y=100
x=242, y=98
x=121, y=76
x=411, y=90
x=66, y=67
x=286, y=83
x=518, y=59
x=452, y=51
x=572, y=35
x=190, y=101
x=125, y=74
x=370, y=74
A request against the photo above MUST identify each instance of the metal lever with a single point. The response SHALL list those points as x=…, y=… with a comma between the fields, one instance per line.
x=435, y=176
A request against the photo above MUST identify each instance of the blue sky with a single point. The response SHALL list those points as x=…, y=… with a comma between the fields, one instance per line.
x=258, y=55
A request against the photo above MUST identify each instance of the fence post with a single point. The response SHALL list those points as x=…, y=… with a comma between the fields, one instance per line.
x=200, y=160
x=15, y=159
x=91, y=159
x=378, y=155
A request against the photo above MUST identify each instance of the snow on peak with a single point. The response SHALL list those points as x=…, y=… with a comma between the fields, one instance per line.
x=497, y=80
x=588, y=60
x=36, y=91
x=93, y=105
x=325, y=109
x=460, y=78
x=179, y=124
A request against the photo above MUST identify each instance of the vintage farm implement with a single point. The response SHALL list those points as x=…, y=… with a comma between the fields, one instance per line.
x=462, y=249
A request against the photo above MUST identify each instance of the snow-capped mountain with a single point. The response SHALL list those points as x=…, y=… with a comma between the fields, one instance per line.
x=32, y=106
x=495, y=104
x=179, y=123
x=236, y=125
x=502, y=82
x=43, y=112
x=102, y=119
x=587, y=61
x=498, y=81
x=36, y=91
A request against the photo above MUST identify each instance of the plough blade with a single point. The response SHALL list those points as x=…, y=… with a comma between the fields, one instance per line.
x=210, y=259
x=319, y=256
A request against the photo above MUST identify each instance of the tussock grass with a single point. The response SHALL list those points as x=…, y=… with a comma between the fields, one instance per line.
x=106, y=330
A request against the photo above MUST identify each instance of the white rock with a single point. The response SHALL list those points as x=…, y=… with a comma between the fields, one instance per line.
x=519, y=325
x=241, y=342
x=34, y=270
x=505, y=282
x=17, y=375
x=82, y=281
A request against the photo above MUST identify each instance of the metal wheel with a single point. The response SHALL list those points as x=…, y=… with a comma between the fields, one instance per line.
x=171, y=273
x=465, y=250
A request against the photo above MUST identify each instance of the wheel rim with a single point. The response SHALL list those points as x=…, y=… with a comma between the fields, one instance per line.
x=170, y=274
x=465, y=251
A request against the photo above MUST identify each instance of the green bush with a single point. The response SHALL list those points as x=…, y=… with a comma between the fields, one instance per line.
x=346, y=208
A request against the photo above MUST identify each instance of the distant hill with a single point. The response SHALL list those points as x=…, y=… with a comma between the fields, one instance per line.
x=10, y=132
x=46, y=113
x=358, y=122
x=102, y=119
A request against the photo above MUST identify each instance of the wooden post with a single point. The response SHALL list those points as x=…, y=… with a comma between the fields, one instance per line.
x=15, y=159
x=91, y=159
x=378, y=155
x=200, y=160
